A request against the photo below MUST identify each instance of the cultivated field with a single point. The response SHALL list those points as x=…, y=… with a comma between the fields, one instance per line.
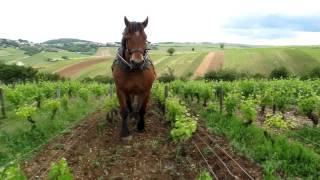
x=184, y=61
x=263, y=60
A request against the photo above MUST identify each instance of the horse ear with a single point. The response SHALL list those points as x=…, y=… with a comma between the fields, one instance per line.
x=145, y=23
x=126, y=21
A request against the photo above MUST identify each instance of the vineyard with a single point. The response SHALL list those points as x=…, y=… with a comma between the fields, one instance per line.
x=33, y=114
x=272, y=122
x=245, y=129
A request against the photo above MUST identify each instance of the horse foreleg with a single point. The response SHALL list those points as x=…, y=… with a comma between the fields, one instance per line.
x=142, y=112
x=124, y=112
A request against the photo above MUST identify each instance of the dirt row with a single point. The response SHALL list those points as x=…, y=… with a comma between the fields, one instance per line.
x=76, y=68
x=213, y=61
x=94, y=150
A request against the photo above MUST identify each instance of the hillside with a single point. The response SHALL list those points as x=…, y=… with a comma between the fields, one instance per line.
x=263, y=60
x=65, y=40
x=54, y=55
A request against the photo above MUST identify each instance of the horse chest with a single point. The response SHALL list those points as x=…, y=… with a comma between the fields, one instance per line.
x=134, y=82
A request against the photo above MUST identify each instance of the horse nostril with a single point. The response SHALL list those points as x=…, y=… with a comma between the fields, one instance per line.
x=136, y=62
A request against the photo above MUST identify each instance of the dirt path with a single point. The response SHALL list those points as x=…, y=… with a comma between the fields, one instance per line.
x=103, y=52
x=94, y=151
x=69, y=71
x=213, y=61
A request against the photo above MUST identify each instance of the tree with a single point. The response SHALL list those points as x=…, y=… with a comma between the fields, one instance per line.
x=170, y=51
x=65, y=57
x=167, y=76
x=279, y=73
x=315, y=72
x=221, y=45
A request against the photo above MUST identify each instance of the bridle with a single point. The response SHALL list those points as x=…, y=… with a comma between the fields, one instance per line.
x=130, y=51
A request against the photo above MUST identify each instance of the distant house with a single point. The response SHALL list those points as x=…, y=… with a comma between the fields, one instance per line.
x=52, y=49
x=19, y=63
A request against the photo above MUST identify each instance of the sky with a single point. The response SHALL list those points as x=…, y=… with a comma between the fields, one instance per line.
x=267, y=22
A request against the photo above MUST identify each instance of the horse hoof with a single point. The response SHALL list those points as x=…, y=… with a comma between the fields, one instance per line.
x=127, y=138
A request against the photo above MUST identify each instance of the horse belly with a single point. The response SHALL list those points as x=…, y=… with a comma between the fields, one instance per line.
x=133, y=87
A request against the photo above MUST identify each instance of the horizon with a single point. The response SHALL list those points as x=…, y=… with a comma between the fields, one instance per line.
x=167, y=42
x=268, y=23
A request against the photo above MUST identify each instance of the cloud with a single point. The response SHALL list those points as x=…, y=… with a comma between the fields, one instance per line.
x=293, y=23
x=269, y=33
x=272, y=26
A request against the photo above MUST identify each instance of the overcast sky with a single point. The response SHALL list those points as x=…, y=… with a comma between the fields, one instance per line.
x=277, y=22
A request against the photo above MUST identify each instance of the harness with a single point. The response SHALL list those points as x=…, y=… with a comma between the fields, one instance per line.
x=120, y=61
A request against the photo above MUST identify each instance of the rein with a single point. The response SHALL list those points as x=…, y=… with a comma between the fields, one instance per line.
x=124, y=61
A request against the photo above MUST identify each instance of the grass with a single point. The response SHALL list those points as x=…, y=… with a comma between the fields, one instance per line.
x=17, y=138
x=308, y=136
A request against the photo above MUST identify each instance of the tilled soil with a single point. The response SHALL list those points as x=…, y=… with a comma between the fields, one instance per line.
x=75, y=68
x=94, y=150
x=213, y=61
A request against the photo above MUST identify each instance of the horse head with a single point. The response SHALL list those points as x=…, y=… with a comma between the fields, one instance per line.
x=134, y=42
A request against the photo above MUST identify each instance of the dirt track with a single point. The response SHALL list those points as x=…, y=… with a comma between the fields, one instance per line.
x=94, y=151
x=103, y=52
x=213, y=61
x=69, y=71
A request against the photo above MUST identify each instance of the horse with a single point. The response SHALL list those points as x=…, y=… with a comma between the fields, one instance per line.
x=133, y=74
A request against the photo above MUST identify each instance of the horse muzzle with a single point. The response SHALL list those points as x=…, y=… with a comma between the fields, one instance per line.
x=137, y=63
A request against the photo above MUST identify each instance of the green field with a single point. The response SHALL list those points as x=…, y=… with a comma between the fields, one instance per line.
x=42, y=58
x=9, y=55
x=183, y=63
x=263, y=60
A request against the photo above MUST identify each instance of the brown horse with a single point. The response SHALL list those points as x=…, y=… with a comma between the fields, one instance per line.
x=133, y=73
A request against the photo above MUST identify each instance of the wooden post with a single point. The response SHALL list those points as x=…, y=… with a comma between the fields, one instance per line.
x=166, y=91
x=110, y=91
x=2, y=103
x=221, y=94
x=166, y=94
x=58, y=93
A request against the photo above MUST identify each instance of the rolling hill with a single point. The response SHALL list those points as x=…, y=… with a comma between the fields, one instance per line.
x=185, y=61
